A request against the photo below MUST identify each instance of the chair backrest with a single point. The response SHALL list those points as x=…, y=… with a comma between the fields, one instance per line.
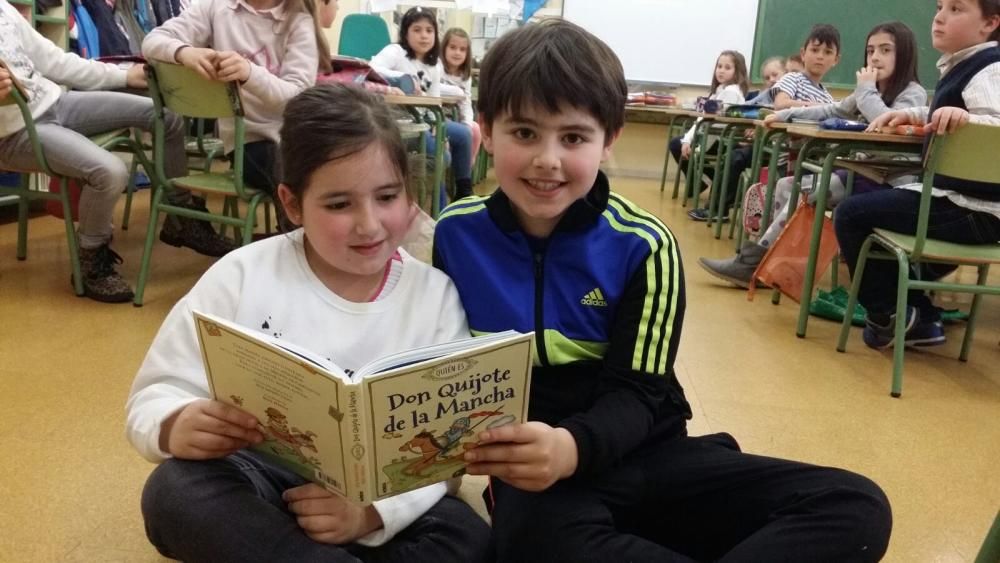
x=363, y=36
x=970, y=153
x=188, y=94
x=185, y=92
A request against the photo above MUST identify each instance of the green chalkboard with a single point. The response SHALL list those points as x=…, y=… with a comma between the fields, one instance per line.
x=782, y=26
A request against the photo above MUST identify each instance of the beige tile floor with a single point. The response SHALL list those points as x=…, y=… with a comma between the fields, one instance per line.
x=70, y=483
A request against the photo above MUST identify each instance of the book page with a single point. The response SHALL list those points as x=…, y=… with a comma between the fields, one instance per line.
x=297, y=405
x=425, y=416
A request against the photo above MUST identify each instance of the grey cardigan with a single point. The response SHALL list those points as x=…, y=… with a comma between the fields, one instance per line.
x=864, y=103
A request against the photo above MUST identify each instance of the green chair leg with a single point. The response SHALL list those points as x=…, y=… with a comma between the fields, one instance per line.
x=970, y=326
x=899, y=346
x=989, y=552
x=147, y=251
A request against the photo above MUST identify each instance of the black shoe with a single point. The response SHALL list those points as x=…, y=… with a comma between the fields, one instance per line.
x=195, y=234
x=101, y=282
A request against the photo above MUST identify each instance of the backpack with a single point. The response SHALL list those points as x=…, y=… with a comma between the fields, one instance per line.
x=753, y=209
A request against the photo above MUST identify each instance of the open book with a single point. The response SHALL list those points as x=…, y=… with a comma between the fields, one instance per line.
x=398, y=423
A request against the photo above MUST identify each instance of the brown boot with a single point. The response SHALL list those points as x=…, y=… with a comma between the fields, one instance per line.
x=195, y=234
x=101, y=282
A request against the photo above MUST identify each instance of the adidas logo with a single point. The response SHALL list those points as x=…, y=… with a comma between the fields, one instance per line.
x=595, y=298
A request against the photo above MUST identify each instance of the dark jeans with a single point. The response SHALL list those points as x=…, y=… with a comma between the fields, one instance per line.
x=741, y=160
x=261, y=166
x=896, y=210
x=231, y=509
x=699, y=499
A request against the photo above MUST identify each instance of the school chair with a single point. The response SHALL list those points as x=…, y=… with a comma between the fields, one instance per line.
x=203, y=146
x=26, y=191
x=185, y=93
x=363, y=36
x=969, y=154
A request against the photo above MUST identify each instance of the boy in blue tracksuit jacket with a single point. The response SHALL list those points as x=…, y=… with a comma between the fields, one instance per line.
x=604, y=470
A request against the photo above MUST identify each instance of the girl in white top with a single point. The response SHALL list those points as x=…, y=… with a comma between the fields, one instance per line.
x=730, y=83
x=340, y=286
x=418, y=55
x=457, y=56
x=274, y=48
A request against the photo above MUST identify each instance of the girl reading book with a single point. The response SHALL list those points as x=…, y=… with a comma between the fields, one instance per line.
x=338, y=285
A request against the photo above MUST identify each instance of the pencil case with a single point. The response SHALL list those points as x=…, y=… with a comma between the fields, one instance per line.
x=839, y=124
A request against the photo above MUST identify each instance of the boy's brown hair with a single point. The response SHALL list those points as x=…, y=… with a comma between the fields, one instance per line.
x=991, y=8
x=823, y=34
x=550, y=64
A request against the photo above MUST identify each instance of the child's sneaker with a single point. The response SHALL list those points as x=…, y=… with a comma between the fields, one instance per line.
x=880, y=335
x=700, y=214
x=926, y=334
x=101, y=282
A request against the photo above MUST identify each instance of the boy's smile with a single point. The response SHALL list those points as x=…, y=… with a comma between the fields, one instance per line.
x=545, y=161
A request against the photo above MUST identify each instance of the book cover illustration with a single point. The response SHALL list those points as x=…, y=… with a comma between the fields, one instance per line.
x=424, y=425
x=297, y=410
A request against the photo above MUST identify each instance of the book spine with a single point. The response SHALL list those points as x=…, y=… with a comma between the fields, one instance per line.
x=358, y=449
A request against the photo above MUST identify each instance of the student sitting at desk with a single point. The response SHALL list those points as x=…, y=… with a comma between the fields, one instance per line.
x=418, y=55
x=887, y=81
x=730, y=82
x=771, y=72
x=966, y=33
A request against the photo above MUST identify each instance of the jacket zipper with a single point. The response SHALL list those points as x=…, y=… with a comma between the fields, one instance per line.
x=543, y=356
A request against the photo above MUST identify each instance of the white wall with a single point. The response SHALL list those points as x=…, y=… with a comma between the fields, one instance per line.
x=669, y=41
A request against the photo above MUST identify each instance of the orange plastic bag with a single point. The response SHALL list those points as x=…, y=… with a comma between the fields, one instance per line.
x=784, y=265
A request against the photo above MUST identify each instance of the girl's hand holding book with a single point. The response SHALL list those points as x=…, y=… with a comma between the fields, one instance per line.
x=329, y=518
x=208, y=429
x=530, y=456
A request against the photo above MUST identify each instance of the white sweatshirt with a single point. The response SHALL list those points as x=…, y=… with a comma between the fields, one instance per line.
x=38, y=64
x=727, y=94
x=281, y=65
x=392, y=62
x=269, y=284
x=452, y=85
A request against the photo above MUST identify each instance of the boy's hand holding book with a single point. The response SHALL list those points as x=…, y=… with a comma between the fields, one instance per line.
x=208, y=429
x=330, y=518
x=530, y=456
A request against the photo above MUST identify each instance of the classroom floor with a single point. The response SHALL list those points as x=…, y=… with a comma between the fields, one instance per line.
x=70, y=483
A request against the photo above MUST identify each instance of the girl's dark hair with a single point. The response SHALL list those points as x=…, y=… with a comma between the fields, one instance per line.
x=991, y=8
x=740, y=77
x=465, y=69
x=310, y=7
x=334, y=121
x=906, y=59
x=412, y=16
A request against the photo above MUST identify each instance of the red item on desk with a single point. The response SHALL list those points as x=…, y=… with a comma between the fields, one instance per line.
x=911, y=130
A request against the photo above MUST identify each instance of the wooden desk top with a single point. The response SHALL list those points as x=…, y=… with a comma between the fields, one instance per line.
x=776, y=125
x=734, y=120
x=423, y=101
x=668, y=110
x=834, y=135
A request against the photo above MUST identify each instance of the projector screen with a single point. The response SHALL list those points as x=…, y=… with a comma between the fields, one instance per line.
x=672, y=41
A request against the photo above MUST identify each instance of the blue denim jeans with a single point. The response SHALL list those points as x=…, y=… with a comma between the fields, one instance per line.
x=460, y=142
x=896, y=210
x=230, y=509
